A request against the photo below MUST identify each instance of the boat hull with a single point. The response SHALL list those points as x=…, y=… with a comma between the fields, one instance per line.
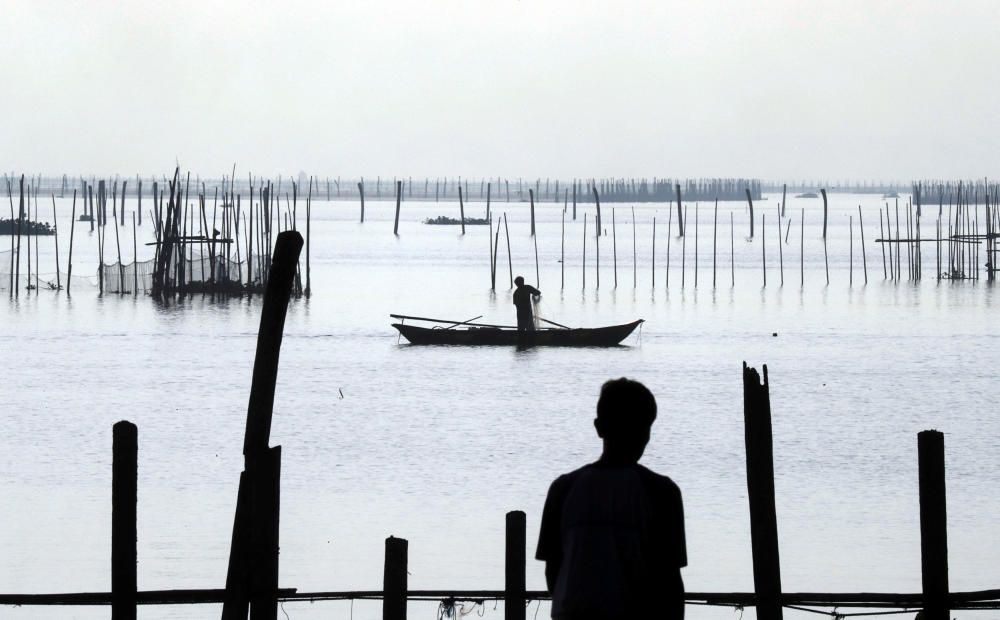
x=495, y=336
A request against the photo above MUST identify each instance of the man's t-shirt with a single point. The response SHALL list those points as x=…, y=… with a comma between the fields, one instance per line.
x=617, y=535
x=522, y=300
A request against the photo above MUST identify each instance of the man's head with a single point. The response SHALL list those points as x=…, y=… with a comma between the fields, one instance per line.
x=519, y=281
x=625, y=412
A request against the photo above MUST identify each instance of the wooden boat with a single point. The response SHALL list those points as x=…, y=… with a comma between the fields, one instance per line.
x=473, y=334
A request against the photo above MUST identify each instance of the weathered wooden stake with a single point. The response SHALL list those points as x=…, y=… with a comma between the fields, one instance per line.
x=715, y=238
x=72, y=228
x=680, y=215
x=361, y=194
x=635, y=278
x=584, y=269
x=531, y=196
x=514, y=567
x=760, y=491
x=562, y=253
x=670, y=220
x=461, y=208
x=614, y=245
x=684, y=254
x=652, y=257
x=399, y=197
x=763, y=246
x=124, y=483
x=135, y=258
x=781, y=257
x=784, y=191
x=933, y=525
x=732, y=251
x=55, y=225
x=510, y=267
x=864, y=256
x=394, y=584
x=750, y=203
x=802, y=249
x=252, y=579
x=696, y=245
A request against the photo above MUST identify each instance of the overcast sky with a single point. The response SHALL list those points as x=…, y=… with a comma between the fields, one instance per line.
x=771, y=89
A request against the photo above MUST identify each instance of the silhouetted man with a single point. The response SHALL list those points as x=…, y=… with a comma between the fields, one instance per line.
x=522, y=301
x=612, y=534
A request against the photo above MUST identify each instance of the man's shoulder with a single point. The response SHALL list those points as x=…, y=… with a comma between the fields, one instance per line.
x=659, y=482
x=566, y=480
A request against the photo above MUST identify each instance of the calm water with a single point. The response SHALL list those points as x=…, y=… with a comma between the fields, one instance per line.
x=436, y=444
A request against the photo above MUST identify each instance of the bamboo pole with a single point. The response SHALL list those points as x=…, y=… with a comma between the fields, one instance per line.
x=851, y=261
x=635, y=278
x=680, y=215
x=715, y=238
x=361, y=195
x=781, y=258
x=69, y=263
x=684, y=254
x=55, y=224
x=562, y=253
x=135, y=258
x=538, y=281
x=531, y=196
x=732, y=251
x=802, y=249
x=510, y=267
x=881, y=228
x=864, y=256
x=670, y=220
x=399, y=197
x=763, y=246
x=614, y=245
x=696, y=245
x=496, y=247
x=653, y=256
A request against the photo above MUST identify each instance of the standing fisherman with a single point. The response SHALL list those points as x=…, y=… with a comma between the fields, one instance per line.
x=522, y=301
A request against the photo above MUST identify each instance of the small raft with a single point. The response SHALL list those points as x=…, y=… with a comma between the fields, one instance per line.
x=472, y=334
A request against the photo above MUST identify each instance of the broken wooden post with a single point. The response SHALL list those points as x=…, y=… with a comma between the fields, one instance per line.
x=124, y=481
x=531, y=196
x=361, y=193
x=394, y=579
x=680, y=214
x=461, y=209
x=933, y=525
x=514, y=567
x=252, y=579
x=72, y=228
x=597, y=203
x=399, y=197
x=750, y=202
x=760, y=491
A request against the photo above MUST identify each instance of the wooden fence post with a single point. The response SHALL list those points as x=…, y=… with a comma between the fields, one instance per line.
x=760, y=489
x=123, y=527
x=399, y=197
x=394, y=579
x=514, y=574
x=933, y=525
x=252, y=579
